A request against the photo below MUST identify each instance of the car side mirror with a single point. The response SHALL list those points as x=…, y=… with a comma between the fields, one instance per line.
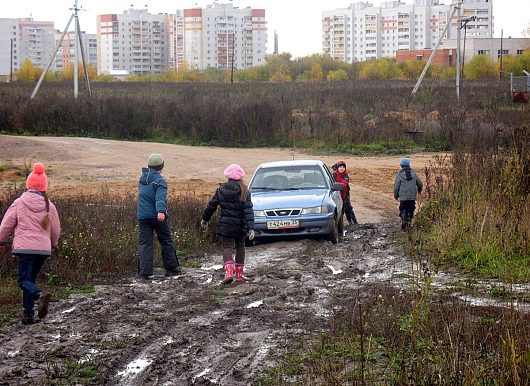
x=337, y=186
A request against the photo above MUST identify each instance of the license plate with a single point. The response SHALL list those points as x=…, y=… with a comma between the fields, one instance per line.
x=283, y=224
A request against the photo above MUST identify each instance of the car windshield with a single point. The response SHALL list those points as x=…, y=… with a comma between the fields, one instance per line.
x=289, y=178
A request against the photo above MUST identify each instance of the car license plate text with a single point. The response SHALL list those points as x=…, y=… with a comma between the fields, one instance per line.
x=282, y=224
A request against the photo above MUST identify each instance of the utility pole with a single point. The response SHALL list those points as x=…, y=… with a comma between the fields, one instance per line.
x=420, y=79
x=458, y=63
x=464, y=25
x=500, y=64
x=76, y=52
x=77, y=41
x=11, y=63
x=232, y=70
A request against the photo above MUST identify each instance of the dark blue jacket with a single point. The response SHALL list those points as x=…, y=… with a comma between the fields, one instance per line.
x=152, y=195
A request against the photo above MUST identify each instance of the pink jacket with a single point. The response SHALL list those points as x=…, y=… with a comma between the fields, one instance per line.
x=25, y=217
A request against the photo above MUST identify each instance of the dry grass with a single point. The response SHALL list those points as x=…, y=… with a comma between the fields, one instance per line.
x=478, y=213
x=387, y=336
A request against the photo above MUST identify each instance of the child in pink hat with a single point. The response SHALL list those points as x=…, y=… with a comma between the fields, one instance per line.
x=36, y=226
x=236, y=220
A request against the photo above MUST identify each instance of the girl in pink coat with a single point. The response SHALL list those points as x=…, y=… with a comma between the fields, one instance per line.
x=35, y=222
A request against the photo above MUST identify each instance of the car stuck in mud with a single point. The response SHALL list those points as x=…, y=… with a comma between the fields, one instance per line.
x=296, y=198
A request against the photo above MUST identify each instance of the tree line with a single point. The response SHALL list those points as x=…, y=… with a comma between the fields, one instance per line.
x=313, y=68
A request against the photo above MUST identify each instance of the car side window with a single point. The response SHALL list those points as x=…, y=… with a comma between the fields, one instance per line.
x=330, y=176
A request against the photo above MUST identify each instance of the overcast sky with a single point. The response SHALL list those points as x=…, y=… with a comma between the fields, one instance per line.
x=298, y=22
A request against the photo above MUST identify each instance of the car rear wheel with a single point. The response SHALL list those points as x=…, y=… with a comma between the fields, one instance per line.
x=333, y=236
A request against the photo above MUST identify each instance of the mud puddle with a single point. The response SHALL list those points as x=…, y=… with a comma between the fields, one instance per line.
x=191, y=330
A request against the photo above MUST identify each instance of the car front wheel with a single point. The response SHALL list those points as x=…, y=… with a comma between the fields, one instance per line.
x=333, y=236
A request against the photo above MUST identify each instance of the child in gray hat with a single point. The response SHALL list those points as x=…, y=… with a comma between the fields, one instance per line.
x=152, y=216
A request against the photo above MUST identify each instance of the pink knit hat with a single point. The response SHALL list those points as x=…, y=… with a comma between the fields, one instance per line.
x=234, y=172
x=37, y=179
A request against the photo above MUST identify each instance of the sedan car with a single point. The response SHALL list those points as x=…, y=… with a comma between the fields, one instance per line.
x=296, y=198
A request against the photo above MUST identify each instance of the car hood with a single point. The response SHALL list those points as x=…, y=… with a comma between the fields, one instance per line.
x=288, y=199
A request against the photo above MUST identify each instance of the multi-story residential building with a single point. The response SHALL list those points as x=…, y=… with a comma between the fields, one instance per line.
x=65, y=54
x=362, y=31
x=36, y=42
x=135, y=41
x=32, y=40
x=92, y=53
x=9, y=55
x=219, y=36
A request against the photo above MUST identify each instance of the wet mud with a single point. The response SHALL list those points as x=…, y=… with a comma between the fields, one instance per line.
x=191, y=330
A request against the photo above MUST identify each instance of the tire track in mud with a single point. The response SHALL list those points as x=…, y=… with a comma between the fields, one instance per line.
x=191, y=330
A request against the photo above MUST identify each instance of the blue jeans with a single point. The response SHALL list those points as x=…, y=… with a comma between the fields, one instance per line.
x=29, y=267
x=145, y=247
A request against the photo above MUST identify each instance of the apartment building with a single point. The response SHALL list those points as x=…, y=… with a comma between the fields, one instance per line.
x=65, y=54
x=33, y=40
x=135, y=40
x=219, y=36
x=362, y=31
x=8, y=46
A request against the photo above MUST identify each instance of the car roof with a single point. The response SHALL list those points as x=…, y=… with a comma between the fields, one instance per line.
x=276, y=164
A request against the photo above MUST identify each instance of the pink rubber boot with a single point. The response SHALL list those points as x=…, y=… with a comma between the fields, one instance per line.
x=239, y=273
x=229, y=272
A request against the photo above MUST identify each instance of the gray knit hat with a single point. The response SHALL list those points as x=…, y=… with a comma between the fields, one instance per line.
x=155, y=161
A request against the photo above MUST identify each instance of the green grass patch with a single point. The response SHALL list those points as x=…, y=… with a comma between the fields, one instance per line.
x=361, y=149
x=477, y=218
x=327, y=359
x=10, y=300
x=450, y=247
x=67, y=371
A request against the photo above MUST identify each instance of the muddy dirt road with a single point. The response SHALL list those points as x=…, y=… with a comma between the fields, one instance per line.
x=190, y=330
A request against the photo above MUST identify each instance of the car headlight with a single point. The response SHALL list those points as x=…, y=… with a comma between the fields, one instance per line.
x=259, y=213
x=315, y=210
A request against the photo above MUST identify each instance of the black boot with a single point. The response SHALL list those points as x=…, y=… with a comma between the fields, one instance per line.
x=28, y=319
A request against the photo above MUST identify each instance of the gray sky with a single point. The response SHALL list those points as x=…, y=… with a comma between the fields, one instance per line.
x=298, y=22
